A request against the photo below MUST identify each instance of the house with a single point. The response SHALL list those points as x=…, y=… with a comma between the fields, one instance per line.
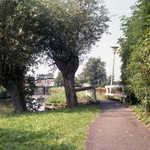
x=45, y=82
x=86, y=85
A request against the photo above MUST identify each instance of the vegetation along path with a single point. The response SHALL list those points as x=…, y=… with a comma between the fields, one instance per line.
x=116, y=128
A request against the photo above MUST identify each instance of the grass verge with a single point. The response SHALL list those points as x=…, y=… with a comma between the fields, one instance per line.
x=62, y=129
x=142, y=114
x=102, y=96
x=57, y=95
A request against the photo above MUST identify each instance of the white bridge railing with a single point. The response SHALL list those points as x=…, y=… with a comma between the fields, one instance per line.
x=93, y=94
x=110, y=93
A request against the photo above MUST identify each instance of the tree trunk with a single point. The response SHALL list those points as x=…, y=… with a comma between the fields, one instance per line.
x=68, y=69
x=15, y=88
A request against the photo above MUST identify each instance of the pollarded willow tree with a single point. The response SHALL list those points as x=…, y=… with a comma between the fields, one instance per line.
x=71, y=27
x=18, y=20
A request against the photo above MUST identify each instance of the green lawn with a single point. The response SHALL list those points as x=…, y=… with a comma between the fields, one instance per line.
x=62, y=129
x=58, y=96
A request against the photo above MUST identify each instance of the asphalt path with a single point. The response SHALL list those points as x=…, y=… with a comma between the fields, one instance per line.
x=117, y=128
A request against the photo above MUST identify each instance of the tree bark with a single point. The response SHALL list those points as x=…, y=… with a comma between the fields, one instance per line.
x=15, y=87
x=68, y=69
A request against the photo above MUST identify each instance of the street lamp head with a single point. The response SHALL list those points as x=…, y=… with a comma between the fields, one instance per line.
x=115, y=48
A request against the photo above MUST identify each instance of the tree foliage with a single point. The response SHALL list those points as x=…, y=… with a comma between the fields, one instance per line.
x=135, y=53
x=70, y=28
x=94, y=72
x=17, y=46
x=43, y=76
x=59, y=80
x=62, y=29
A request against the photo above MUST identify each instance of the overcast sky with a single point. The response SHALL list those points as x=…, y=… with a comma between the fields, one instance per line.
x=117, y=8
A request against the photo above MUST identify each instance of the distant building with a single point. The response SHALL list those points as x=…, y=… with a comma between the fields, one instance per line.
x=45, y=82
x=86, y=84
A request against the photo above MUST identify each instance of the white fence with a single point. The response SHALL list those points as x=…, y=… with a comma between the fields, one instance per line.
x=93, y=95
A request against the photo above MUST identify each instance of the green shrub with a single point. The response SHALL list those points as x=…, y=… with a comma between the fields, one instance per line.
x=3, y=92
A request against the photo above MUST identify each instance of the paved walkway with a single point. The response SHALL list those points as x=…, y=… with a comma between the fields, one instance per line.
x=116, y=128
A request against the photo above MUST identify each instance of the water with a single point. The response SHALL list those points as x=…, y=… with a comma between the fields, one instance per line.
x=38, y=102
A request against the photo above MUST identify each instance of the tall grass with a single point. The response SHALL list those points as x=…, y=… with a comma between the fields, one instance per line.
x=62, y=129
x=141, y=113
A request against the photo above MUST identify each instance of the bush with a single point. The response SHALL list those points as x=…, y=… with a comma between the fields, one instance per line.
x=3, y=92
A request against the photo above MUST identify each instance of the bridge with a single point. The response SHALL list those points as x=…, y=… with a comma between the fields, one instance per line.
x=109, y=91
x=43, y=91
x=93, y=88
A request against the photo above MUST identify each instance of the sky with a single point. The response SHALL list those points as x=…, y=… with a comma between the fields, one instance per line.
x=102, y=49
x=116, y=8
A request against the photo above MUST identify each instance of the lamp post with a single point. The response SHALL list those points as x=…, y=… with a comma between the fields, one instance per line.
x=114, y=50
